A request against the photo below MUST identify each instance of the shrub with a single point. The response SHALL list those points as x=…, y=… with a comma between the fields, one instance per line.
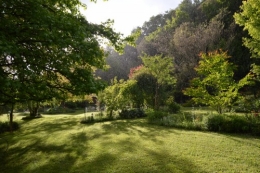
x=156, y=116
x=230, y=124
x=183, y=120
x=4, y=126
x=71, y=105
x=255, y=129
x=130, y=114
x=215, y=123
x=254, y=123
x=236, y=124
x=198, y=126
x=59, y=110
x=173, y=107
x=100, y=117
x=187, y=116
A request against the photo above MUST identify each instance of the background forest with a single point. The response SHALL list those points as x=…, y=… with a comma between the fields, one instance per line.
x=182, y=34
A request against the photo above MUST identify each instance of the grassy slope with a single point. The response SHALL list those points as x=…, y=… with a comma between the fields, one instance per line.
x=61, y=144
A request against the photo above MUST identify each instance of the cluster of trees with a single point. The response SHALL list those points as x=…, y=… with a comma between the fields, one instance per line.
x=210, y=44
x=49, y=50
x=149, y=85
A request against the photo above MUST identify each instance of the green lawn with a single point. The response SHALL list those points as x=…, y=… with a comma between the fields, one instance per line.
x=59, y=143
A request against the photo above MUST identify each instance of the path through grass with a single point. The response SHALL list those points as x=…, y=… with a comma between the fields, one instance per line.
x=57, y=144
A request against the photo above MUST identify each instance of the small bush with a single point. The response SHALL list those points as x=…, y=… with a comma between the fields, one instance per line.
x=198, y=126
x=215, y=123
x=130, y=114
x=100, y=117
x=255, y=129
x=236, y=124
x=254, y=123
x=156, y=117
x=173, y=107
x=4, y=126
x=183, y=121
x=229, y=124
x=59, y=110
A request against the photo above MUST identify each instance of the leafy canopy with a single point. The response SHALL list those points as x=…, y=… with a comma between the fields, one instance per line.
x=47, y=48
x=215, y=85
x=249, y=19
x=113, y=96
x=162, y=69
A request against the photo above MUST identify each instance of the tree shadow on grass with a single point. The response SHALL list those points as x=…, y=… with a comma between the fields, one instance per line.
x=132, y=156
x=36, y=156
x=122, y=155
x=55, y=125
x=137, y=126
x=168, y=162
x=30, y=152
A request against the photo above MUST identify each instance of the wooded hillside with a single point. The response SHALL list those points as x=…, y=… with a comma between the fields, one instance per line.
x=192, y=28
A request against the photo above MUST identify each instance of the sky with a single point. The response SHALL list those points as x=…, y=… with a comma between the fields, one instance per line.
x=127, y=14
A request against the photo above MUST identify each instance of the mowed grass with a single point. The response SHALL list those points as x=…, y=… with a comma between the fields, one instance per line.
x=60, y=144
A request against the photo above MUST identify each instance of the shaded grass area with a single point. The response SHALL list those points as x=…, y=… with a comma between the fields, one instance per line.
x=61, y=144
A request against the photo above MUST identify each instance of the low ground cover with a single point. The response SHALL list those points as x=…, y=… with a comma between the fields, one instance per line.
x=60, y=143
x=204, y=119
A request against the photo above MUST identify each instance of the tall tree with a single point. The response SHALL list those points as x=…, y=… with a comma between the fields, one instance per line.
x=47, y=48
x=215, y=85
x=189, y=40
x=145, y=83
x=113, y=96
x=149, y=42
x=162, y=69
x=249, y=19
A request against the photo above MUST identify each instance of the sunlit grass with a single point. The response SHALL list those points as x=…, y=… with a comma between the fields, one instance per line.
x=59, y=143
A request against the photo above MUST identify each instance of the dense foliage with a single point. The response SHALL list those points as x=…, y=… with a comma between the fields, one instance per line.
x=131, y=114
x=48, y=49
x=182, y=34
x=248, y=18
x=215, y=85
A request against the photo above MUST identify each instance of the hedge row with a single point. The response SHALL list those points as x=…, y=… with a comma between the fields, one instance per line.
x=234, y=124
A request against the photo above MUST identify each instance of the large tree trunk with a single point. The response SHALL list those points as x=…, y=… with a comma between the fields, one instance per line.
x=11, y=118
x=33, y=108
